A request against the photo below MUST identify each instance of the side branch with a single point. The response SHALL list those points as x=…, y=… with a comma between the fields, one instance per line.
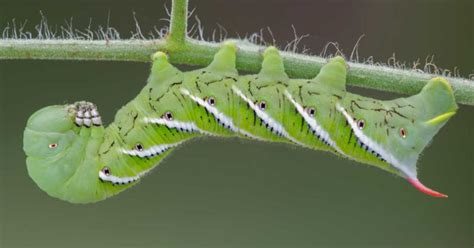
x=249, y=58
x=178, y=22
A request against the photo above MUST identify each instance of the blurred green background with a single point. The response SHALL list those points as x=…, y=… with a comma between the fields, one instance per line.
x=232, y=193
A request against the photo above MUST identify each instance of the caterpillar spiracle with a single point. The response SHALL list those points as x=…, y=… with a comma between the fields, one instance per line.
x=71, y=156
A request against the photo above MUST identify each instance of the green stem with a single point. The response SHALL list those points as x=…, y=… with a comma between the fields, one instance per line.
x=183, y=50
x=178, y=23
x=115, y=50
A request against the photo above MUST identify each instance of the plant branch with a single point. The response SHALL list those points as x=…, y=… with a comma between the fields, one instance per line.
x=183, y=50
x=178, y=22
x=113, y=50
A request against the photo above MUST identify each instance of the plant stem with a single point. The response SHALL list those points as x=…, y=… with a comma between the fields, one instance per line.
x=114, y=50
x=178, y=22
x=183, y=50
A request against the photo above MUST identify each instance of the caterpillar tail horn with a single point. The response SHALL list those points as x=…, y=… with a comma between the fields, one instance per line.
x=419, y=186
x=437, y=94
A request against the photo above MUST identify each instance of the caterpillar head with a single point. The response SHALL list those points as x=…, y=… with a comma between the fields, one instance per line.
x=61, y=144
x=397, y=131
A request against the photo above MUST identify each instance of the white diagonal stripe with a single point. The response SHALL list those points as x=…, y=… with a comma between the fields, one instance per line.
x=122, y=180
x=266, y=118
x=375, y=146
x=226, y=121
x=314, y=124
x=187, y=126
x=152, y=151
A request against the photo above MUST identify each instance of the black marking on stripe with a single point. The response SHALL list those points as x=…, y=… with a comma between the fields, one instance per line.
x=365, y=146
x=219, y=121
x=317, y=135
x=153, y=155
x=267, y=125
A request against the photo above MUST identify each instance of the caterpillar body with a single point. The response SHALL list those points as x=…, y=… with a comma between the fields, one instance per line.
x=71, y=156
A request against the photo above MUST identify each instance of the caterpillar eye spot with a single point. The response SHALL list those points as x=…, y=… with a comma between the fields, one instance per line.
x=139, y=147
x=403, y=133
x=311, y=111
x=262, y=105
x=211, y=100
x=361, y=124
x=53, y=145
x=168, y=116
x=106, y=171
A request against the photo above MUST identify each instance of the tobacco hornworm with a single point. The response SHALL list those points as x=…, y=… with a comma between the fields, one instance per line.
x=73, y=157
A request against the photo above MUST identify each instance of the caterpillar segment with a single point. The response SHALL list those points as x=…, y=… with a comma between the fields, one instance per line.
x=73, y=157
x=62, y=151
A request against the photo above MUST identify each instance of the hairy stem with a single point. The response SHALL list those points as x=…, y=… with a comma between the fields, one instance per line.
x=178, y=23
x=183, y=50
x=114, y=50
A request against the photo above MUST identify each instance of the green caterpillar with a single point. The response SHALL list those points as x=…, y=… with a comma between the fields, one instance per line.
x=71, y=156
